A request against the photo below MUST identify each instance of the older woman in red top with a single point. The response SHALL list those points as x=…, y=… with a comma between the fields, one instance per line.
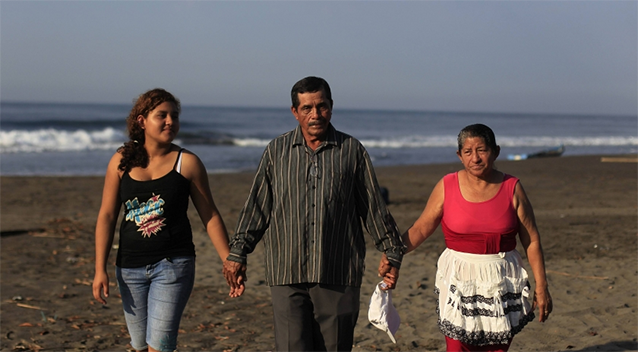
x=484, y=293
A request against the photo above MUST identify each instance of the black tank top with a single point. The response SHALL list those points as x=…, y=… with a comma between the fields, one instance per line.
x=155, y=224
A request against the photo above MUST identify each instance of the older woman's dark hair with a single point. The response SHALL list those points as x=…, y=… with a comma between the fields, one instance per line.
x=480, y=131
x=309, y=84
x=133, y=152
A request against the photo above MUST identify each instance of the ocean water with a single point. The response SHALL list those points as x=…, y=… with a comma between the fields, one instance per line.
x=79, y=139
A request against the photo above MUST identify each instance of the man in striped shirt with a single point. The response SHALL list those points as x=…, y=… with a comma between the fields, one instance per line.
x=313, y=189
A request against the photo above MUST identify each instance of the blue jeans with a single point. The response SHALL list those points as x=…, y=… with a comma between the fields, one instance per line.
x=154, y=297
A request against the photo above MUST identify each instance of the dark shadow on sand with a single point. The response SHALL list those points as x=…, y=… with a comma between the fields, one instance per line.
x=611, y=346
x=20, y=232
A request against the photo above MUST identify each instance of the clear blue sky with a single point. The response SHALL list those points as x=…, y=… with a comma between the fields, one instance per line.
x=490, y=56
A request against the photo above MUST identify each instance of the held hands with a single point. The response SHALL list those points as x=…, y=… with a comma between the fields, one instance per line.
x=388, y=272
x=235, y=274
x=101, y=287
x=543, y=301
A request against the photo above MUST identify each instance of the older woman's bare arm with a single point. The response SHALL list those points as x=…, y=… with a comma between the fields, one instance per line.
x=428, y=221
x=530, y=238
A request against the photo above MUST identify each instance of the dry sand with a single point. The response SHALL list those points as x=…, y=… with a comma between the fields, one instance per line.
x=586, y=211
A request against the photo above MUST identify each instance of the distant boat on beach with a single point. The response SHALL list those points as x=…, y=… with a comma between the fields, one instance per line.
x=555, y=151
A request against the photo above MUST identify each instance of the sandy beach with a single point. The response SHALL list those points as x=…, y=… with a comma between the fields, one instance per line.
x=586, y=210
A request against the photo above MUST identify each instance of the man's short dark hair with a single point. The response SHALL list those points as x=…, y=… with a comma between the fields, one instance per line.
x=309, y=84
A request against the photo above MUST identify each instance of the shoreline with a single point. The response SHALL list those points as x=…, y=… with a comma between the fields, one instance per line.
x=586, y=210
x=379, y=164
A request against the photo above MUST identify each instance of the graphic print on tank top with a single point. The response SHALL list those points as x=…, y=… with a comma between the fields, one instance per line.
x=146, y=215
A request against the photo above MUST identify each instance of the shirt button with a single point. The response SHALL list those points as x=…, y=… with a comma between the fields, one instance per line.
x=313, y=205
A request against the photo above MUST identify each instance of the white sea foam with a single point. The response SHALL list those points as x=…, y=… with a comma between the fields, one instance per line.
x=250, y=142
x=43, y=140
x=567, y=141
x=450, y=141
x=79, y=139
x=21, y=141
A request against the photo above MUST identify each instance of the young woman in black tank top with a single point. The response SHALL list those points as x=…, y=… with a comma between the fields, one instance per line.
x=152, y=179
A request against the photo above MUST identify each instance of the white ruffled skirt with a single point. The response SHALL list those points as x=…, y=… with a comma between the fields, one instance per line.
x=484, y=299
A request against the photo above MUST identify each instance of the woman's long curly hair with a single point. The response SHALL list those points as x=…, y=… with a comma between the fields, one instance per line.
x=133, y=152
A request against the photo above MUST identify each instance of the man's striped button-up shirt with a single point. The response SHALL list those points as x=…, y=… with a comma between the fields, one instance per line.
x=309, y=207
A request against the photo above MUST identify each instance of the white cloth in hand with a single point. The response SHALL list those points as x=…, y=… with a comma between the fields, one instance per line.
x=382, y=313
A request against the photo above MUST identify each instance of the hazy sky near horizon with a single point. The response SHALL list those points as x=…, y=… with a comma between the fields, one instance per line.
x=490, y=56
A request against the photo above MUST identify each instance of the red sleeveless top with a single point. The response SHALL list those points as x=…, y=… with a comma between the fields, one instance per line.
x=487, y=227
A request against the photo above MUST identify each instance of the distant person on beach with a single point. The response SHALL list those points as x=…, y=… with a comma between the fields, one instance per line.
x=313, y=188
x=482, y=285
x=155, y=266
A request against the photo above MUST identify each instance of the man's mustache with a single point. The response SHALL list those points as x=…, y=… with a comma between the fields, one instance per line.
x=316, y=122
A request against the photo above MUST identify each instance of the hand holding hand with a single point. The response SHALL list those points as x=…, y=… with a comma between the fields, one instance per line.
x=388, y=272
x=235, y=274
